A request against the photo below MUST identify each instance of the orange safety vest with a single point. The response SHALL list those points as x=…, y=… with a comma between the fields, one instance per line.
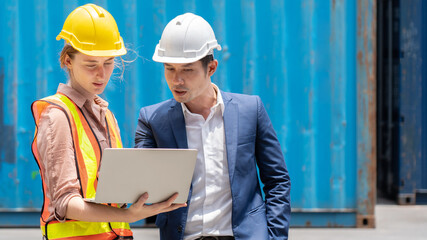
x=87, y=156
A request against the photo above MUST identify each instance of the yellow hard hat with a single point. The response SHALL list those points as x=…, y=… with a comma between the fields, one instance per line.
x=92, y=30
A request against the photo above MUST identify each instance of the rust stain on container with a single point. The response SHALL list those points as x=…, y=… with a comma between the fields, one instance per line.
x=366, y=60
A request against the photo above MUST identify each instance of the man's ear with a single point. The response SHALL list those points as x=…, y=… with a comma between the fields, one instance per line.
x=212, y=66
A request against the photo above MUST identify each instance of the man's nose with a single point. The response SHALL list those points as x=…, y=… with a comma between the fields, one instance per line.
x=177, y=79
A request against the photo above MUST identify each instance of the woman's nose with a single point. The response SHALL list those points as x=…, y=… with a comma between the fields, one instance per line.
x=101, y=72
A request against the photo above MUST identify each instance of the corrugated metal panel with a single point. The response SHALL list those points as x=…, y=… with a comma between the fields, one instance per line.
x=424, y=87
x=311, y=61
x=421, y=197
x=412, y=162
x=410, y=99
x=402, y=94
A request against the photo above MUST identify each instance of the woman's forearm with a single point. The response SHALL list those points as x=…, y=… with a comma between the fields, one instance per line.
x=78, y=209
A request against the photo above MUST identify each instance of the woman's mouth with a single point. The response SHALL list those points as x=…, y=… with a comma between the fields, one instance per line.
x=98, y=84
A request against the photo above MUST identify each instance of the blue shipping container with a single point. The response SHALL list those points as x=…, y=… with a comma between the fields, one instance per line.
x=312, y=62
x=412, y=165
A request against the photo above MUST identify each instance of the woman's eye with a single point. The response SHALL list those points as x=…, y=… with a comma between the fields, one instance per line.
x=108, y=63
x=91, y=66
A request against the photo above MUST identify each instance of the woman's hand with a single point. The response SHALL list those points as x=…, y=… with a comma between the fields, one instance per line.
x=78, y=209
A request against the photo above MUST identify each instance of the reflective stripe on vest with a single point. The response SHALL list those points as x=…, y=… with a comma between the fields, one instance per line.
x=87, y=156
x=111, y=121
x=95, y=230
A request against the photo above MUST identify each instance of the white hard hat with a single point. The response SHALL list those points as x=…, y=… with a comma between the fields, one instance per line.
x=187, y=38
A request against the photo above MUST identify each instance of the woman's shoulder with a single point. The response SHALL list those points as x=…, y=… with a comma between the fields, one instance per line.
x=54, y=116
x=53, y=128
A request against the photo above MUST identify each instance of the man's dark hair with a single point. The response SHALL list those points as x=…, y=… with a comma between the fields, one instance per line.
x=206, y=60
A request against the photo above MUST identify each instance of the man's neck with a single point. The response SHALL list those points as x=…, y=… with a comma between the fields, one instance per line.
x=203, y=105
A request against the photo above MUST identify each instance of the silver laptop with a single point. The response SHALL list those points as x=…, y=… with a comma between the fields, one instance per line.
x=126, y=173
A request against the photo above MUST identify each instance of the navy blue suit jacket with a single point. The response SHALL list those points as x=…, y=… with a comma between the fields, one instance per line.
x=251, y=141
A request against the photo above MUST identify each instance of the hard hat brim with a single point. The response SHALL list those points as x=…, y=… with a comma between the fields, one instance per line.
x=110, y=53
x=164, y=59
x=97, y=53
x=175, y=59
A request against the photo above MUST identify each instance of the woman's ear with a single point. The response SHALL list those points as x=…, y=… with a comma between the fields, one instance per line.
x=68, y=62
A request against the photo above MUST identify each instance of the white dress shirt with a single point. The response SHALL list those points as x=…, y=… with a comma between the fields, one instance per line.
x=209, y=212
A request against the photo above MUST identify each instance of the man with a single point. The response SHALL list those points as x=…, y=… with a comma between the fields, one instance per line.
x=233, y=135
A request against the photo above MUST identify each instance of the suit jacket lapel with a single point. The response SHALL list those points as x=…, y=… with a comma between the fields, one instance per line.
x=231, y=114
x=177, y=123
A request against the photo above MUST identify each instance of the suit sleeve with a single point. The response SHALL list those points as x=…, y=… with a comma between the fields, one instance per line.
x=144, y=137
x=274, y=175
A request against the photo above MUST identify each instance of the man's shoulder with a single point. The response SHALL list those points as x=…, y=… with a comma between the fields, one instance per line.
x=165, y=104
x=240, y=98
x=160, y=107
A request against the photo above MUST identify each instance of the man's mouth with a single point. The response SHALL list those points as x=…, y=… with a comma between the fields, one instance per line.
x=180, y=92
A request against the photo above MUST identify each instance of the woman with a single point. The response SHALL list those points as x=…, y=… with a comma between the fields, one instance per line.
x=72, y=129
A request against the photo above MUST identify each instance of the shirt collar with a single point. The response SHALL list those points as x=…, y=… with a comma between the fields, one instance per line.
x=80, y=98
x=219, y=102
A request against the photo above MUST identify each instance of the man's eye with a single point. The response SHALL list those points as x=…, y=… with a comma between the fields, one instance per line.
x=91, y=66
x=188, y=70
x=108, y=63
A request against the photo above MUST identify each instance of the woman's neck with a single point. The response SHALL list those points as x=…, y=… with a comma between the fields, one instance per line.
x=80, y=89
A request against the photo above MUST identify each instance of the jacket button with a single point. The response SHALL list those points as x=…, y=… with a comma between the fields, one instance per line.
x=179, y=228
